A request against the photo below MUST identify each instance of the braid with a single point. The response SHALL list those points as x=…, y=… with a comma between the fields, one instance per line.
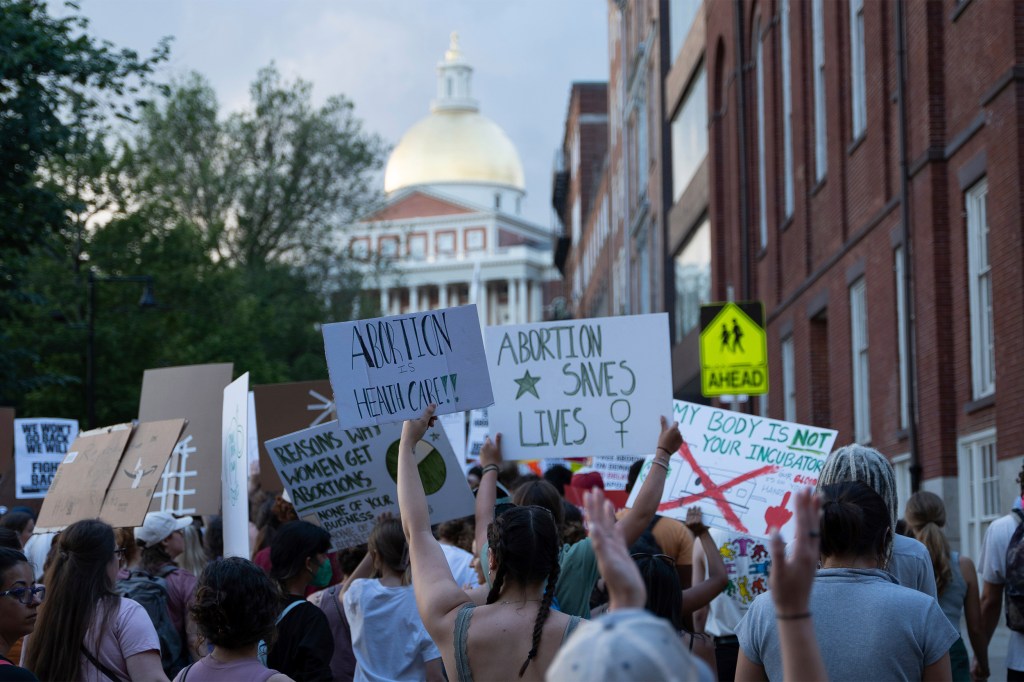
x=544, y=610
x=499, y=581
x=497, y=548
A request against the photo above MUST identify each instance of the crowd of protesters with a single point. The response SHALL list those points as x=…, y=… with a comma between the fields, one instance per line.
x=525, y=589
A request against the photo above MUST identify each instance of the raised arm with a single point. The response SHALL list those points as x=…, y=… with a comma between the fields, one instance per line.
x=625, y=585
x=487, y=492
x=702, y=592
x=437, y=593
x=700, y=616
x=790, y=584
x=647, y=500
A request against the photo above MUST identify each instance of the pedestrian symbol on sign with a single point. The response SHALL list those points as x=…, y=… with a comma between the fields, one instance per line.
x=733, y=349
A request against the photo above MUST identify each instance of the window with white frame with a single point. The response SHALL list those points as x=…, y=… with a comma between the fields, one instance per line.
x=762, y=189
x=788, y=381
x=787, y=113
x=417, y=244
x=818, y=62
x=859, y=351
x=901, y=337
x=690, y=134
x=978, y=478
x=692, y=280
x=979, y=285
x=858, y=75
x=901, y=469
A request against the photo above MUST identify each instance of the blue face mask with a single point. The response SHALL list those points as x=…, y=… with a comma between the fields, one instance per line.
x=322, y=577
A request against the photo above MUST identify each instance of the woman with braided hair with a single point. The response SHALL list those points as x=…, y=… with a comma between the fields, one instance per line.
x=516, y=634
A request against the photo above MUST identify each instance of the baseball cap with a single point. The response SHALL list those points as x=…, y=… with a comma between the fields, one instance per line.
x=159, y=525
x=629, y=644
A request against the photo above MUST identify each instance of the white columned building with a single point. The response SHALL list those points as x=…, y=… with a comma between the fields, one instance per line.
x=451, y=227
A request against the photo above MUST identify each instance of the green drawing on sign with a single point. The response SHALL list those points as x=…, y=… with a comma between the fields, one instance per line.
x=430, y=464
x=528, y=384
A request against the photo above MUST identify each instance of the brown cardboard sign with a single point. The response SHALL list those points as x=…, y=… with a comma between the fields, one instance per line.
x=190, y=484
x=286, y=408
x=82, y=479
x=139, y=472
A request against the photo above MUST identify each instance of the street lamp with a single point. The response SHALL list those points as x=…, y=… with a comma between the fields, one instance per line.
x=146, y=301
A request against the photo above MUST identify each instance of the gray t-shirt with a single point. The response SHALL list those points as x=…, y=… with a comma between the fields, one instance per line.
x=912, y=565
x=868, y=628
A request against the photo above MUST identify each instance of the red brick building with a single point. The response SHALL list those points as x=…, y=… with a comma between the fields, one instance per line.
x=873, y=203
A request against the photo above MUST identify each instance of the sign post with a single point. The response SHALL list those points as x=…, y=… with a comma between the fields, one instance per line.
x=733, y=350
x=235, y=467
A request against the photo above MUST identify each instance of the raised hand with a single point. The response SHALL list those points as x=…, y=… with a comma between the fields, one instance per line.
x=695, y=521
x=791, y=577
x=490, y=451
x=670, y=439
x=414, y=429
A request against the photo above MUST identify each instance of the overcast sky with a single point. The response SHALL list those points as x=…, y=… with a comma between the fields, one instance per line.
x=382, y=54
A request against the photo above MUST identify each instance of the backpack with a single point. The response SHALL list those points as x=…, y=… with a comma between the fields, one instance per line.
x=262, y=650
x=151, y=593
x=1015, y=576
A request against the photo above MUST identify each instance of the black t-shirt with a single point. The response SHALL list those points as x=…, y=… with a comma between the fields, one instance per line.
x=12, y=673
x=304, y=645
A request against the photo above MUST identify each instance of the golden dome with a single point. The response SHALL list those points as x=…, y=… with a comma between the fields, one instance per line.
x=454, y=146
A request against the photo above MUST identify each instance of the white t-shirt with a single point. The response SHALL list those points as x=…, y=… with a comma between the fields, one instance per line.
x=388, y=638
x=458, y=562
x=992, y=567
x=747, y=563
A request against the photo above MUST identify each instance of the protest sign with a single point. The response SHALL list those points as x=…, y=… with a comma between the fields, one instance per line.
x=39, y=447
x=286, y=408
x=389, y=369
x=454, y=426
x=190, y=484
x=614, y=470
x=80, y=483
x=137, y=475
x=235, y=468
x=342, y=478
x=252, y=449
x=580, y=388
x=7, y=480
x=479, y=427
x=741, y=470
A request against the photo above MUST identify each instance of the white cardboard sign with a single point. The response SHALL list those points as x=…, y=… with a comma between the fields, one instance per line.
x=388, y=369
x=342, y=478
x=479, y=427
x=580, y=388
x=740, y=469
x=235, y=467
x=614, y=470
x=454, y=426
x=39, y=448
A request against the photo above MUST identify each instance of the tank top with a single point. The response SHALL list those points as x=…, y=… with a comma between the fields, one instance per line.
x=951, y=601
x=462, y=638
x=208, y=670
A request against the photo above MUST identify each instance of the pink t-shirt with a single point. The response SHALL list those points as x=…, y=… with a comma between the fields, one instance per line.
x=131, y=633
x=181, y=592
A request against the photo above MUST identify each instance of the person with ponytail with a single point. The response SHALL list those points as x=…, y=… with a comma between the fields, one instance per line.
x=516, y=633
x=867, y=625
x=387, y=604
x=955, y=577
x=85, y=631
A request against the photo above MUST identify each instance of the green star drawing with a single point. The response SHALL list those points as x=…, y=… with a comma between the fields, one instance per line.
x=528, y=384
x=434, y=437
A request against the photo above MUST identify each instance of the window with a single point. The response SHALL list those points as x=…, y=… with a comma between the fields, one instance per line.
x=474, y=240
x=979, y=273
x=388, y=246
x=901, y=468
x=762, y=189
x=859, y=350
x=497, y=201
x=788, y=381
x=643, y=158
x=979, y=488
x=681, y=14
x=901, y=338
x=787, y=114
x=417, y=246
x=858, y=76
x=690, y=134
x=644, y=271
x=818, y=57
x=445, y=243
x=692, y=280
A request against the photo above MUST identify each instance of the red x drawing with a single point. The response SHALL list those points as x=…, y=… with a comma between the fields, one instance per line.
x=713, y=491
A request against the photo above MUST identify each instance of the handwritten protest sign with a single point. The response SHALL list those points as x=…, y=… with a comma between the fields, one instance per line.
x=342, y=478
x=389, y=368
x=235, y=468
x=614, y=470
x=39, y=447
x=191, y=482
x=741, y=470
x=454, y=426
x=580, y=388
x=479, y=427
x=137, y=475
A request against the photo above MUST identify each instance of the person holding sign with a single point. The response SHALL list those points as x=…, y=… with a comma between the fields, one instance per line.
x=578, y=571
x=516, y=630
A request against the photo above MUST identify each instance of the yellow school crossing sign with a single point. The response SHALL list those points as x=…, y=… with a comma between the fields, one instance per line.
x=733, y=349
